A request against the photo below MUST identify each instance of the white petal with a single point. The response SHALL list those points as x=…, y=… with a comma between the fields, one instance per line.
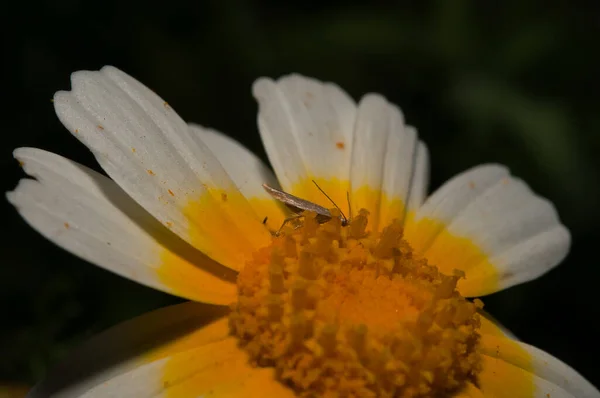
x=451, y=198
x=132, y=344
x=389, y=170
x=153, y=155
x=400, y=155
x=552, y=377
x=374, y=122
x=219, y=369
x=90, y=216
x=514, y=230
x=376, y=151
x=247, y=171
x=420, y=178
x=560, y=374
x=306, y=127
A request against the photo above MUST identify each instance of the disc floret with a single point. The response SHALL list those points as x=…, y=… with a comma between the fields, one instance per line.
x=339, y=311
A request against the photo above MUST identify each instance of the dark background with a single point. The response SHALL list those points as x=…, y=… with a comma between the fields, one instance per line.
x=516, y=84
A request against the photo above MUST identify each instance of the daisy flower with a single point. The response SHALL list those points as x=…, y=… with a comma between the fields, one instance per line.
x=381, y=306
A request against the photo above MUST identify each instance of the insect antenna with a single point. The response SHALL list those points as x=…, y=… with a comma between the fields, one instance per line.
x=331, y=200
x=349, y=206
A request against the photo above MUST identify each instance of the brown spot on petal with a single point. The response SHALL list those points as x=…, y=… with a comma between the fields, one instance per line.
x=340, y=145
x=224, y=197
x=100, y=127
x=307, y=101
x=150, y=172
x=67, y=225
x=171, y=192
x=133, y=150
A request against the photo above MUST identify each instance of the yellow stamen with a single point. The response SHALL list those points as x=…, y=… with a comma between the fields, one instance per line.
x=347, y=312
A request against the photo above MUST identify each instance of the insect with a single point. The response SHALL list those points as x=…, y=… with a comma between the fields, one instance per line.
x=299, y=206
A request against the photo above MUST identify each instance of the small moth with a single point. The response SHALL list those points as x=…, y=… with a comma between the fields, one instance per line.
x=298, y=206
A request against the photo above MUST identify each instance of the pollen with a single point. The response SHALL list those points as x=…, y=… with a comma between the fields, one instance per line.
x=342, y=312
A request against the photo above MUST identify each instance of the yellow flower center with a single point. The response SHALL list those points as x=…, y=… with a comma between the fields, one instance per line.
x=339, y=311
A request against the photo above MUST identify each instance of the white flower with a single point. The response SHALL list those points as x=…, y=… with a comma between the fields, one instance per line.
x=185, y=211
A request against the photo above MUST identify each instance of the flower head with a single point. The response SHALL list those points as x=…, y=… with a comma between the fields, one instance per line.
x=376, y=306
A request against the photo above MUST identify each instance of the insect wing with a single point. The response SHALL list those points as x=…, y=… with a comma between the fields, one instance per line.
x=296, y=204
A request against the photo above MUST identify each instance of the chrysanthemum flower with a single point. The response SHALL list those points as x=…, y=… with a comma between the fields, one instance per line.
x=376, y=308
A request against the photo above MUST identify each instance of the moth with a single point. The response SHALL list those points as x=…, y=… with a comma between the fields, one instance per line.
x=298, y=206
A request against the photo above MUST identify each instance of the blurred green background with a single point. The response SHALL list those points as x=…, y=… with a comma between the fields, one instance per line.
x=516, y=84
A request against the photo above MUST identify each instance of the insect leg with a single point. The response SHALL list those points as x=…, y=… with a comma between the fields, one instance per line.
x=288, y=220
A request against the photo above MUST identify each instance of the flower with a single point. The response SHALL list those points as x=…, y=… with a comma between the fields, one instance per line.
x=375, y=308
x=13, y=390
